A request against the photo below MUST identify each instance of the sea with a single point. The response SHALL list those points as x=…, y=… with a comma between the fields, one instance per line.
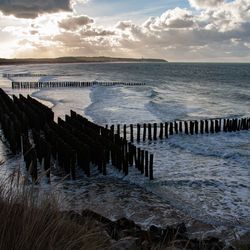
x=202, y=180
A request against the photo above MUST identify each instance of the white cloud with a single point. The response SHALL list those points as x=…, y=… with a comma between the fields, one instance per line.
x=211, y=34
x=175, y=19
x=203, y=4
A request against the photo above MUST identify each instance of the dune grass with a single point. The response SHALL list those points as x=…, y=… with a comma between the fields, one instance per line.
x=28, y=222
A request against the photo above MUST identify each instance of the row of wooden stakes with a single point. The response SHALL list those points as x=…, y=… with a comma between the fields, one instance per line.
x=156, y=131
x=68, y=84
x=7, y=75
x=29, y=128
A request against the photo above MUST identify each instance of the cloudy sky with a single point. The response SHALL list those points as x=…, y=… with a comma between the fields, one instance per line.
x=176, y=30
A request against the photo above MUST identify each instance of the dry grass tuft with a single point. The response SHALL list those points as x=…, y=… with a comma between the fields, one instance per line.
x=29, y=223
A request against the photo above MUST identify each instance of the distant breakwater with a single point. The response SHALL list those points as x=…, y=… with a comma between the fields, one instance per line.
x=155, y=131
x=69, y=84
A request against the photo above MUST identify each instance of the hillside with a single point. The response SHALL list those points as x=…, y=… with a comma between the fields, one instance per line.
x=4, y=61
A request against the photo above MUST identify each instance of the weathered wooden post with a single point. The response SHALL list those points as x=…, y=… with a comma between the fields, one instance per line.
x=238, y=125
x=229, y=125
x=118, y=130
x=146, y=163
x=206, y=126
x=124, y=131
x=142, y=161
x=186, y=127
x=161, y=131
x=202, y=126
x=171, y=128
x=151, y=176
x=112, y=130
x=166, y=129
x=138, y=158
x=131, y=133
x=149, y=132
x=180, y=126
x=196, y=124
x=216, y=126
x=211, y=126
x=144, y=131
x=125, y=165
x=191, y=124
x=176, y=127
x=138, y=132
x=235, y=124
x=155, y=131
x=224, y=125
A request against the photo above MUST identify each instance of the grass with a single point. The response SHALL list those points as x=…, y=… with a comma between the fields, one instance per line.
x=27, y=222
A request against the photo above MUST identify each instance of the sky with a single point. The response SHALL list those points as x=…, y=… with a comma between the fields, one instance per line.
x=175, y=30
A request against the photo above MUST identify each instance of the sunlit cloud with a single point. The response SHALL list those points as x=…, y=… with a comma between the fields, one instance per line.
x=213, y=34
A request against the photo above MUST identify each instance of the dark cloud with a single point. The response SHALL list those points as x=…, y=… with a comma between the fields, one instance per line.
x=73, y=23
x=32, y=8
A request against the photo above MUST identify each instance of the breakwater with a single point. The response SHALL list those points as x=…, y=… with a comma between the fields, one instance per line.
x=155, y=131
x=69, y=84
x=74, y=142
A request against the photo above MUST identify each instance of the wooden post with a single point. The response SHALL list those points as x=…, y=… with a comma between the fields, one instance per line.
x=144, y=131
x=180, y=126
x=149, y=132
x=118, y=130
x=206, y=126
x=216, y=126
x=131, y=133
x=224, y=125
x=155, y=131
x=176, y=127
x=125, y=165
x=211, y=126
x=191, y=124
x=125, y=131
x=196, y=124
x=142, y=162
x=112, y=130
x=161, y=130
x=171, y=128
x=186, y=127
x=234, y=124
x=138, y=132
x=146, y=163
x=202, y=126
x=166, y=129
x=151, y=177
x=229, y=125
x=138, y=158
x=238, y=125
x=130, y=154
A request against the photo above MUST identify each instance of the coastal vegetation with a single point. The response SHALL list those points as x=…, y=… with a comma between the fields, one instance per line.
x=71, y=59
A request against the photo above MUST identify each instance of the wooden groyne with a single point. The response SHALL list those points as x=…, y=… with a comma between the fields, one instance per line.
x=69, y=84
x=7, y=75
x=154, y=131
x=30, y=129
